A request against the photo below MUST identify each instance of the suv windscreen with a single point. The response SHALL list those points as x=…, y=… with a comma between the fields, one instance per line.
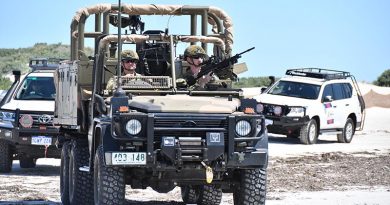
x=36, y=88
x=295, y=89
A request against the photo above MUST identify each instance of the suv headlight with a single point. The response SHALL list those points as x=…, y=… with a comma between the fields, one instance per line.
x=278, y=110
x=133, y=126
x=7, y=116
x=243, y=128
x=296, y=112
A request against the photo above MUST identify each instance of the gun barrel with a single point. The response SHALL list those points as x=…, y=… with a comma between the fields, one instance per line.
x=246, y=51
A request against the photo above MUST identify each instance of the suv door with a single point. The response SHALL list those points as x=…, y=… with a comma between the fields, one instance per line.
x=327, y=119
x=342, y=93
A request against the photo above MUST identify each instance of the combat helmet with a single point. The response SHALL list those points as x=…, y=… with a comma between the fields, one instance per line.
x=194, y=51
x=129, y=55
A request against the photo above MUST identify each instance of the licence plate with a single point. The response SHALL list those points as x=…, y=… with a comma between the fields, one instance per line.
x=268, y=122
x=132, y=158
x=40, y=140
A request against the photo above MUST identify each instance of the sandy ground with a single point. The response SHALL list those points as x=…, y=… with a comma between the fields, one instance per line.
x=297, y=174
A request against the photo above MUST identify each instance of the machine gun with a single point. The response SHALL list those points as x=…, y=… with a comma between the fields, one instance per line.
x=214, y=65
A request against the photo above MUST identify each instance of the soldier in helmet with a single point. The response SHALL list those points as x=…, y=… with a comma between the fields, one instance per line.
x=129, y=64
x=195, y=56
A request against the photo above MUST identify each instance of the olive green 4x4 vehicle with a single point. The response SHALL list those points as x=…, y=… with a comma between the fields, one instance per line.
x=149, y=131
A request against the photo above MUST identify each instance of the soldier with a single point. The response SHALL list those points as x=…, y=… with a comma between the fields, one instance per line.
x=128, y=66
x=195, y=56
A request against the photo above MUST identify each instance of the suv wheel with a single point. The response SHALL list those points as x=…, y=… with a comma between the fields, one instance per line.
x=80, y=182
x=64, y=174
x=209, y=195
x=348, y=132
x=27, y=162
x=189, y=194
x=109, y=182
x=252, y=187
x=309, y=132
x=6, y=157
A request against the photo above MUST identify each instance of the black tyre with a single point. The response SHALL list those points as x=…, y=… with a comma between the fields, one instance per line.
x=5, y=157
x=80, y=182
x=64, y=174
x=27, y=162
x=209, y=195
x=348, y=132
x=189, y=194
x=109, y=182
x=309, y=132
x=252, y=187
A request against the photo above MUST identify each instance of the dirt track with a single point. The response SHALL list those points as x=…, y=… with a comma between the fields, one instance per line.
x=326, y=173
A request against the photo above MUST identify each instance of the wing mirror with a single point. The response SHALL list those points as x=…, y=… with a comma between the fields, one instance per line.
x=328, y=98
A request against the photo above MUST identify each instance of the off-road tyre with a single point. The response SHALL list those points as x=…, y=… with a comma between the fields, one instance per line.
x=80, y=182
x=109, y=182
x=309, y=132
x=5, y=157
x=64, y=174
x=27, y=162
x=209, y=195
x=189, y=194
x=348, y=132
x=252, y=187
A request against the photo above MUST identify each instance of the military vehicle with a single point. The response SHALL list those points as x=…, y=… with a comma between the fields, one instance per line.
x=150, y=131
x=26, y=117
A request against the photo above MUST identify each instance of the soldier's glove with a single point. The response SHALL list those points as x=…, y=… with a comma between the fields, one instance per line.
x=190, y=80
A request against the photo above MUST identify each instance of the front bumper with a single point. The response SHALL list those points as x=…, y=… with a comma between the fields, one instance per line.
x=183, y=148
x=21, y=140
x=285, y=125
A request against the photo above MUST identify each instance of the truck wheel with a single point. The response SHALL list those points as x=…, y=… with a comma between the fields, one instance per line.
x=80, y=182
x=109, y=182
x=64, y=174
x=209, y=195
x=27, y=162
x=309, y=132
x=348, y=132
x=6, y=157
x=252, y=187
x=189, y=194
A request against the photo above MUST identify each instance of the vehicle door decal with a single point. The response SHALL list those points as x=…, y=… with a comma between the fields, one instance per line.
x=329, y=111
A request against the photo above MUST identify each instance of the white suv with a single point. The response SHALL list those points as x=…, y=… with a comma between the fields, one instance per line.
x=311, y=101
x=26, y=119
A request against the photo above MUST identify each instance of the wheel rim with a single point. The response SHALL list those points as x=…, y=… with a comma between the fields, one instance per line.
x=348, y=131
x=312, y=132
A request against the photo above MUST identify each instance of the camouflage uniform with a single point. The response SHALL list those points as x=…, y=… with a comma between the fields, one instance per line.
x=193, y=51
x=125, y=55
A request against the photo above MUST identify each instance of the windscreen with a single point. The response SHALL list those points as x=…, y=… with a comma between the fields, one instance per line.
x=295, y=89
x=36, y=88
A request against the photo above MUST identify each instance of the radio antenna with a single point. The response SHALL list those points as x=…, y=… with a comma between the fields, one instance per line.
x=119, y=91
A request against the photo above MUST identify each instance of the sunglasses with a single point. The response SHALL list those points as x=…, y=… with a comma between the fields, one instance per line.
x=130, y=61
x=196, y=57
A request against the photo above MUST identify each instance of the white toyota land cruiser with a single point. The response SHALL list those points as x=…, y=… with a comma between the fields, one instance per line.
x=26, y=118
x=311, y=101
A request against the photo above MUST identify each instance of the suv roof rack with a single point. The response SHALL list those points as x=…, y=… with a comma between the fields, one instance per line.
x=44, y=63
x=321, y=73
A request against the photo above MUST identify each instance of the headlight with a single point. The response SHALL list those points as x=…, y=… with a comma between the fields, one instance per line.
x=277, y=110
x=133, y=127
x=259, y=108
x=243, y=128
x=7, y=116
x=296, y=112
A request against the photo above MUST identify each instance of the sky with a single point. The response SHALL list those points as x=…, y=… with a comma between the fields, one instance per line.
x=348, y=35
